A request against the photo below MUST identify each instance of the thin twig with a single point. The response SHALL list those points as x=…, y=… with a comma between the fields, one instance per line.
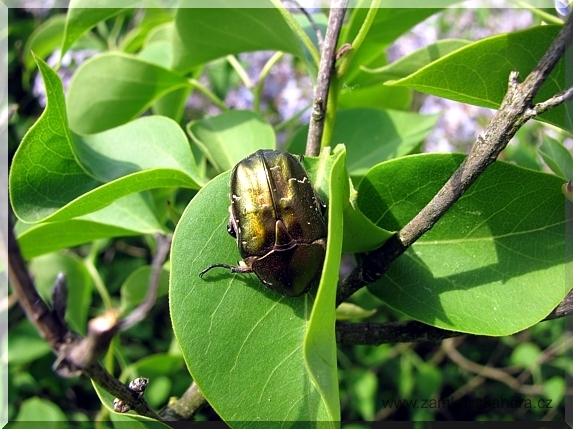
x=310, y=19
x=489, y=372
x=551, y=103
x=325, y=71
x=137, y=315
x=374, y=334
x=514, y=111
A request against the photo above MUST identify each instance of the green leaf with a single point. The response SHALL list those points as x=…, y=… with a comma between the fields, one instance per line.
x=129, y=215
x=366, y=388
x=429, y=380
x=25, y=344
x=349, y=311
x=554, y=389
x=56, y=176
x=82, y=17
x=202, y=35
x=113, y=88
x=522, y=150
x=158, y=53
x=478, y=74
x=390, y=22
x=154, y=18
x=476, y=270
x=231, y=136
x=242, y=342
x=360, y=234
x=372, y=136
x=557, y=157
x=45, y=174
x=172, y=104
x=79, y=283
x=156, y=365
x=43, y=41
x=374, y=96
x=416, y=60
x=526, y=355
x=34, y=408
x=319, y=346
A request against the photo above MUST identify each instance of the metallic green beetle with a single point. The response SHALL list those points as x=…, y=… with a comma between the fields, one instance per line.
x=279, y=222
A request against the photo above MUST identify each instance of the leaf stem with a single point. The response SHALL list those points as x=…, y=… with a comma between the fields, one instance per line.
x=208, y=93
x=299, y=31
x=89, y=263
x=115, y=31
x=258, y=90
x=357, y=42
x=243, y=75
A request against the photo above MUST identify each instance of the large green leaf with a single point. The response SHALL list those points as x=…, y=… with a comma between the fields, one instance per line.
x=320, y=343
x=229, y=137
x=478, y=73
x=493, y=265
x=243, y=343
x=132, y=214
x=56, y=175
x=113, y=88
x=202, y=35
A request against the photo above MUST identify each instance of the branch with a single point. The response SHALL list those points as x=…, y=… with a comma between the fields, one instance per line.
x=374, y=334
x=68, y=346
x=185, y=407
x=47, y=323
x=325, y=71
x=515, y=110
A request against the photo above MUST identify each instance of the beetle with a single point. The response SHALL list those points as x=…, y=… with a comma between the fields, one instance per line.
x=279, y=222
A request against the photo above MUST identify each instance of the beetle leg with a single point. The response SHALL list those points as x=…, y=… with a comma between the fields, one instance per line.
x=240, y=269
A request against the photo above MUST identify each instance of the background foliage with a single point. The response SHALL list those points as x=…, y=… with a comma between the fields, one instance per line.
x=150, y=109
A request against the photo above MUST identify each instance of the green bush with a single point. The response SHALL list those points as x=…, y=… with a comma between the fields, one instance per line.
x=141, y=142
